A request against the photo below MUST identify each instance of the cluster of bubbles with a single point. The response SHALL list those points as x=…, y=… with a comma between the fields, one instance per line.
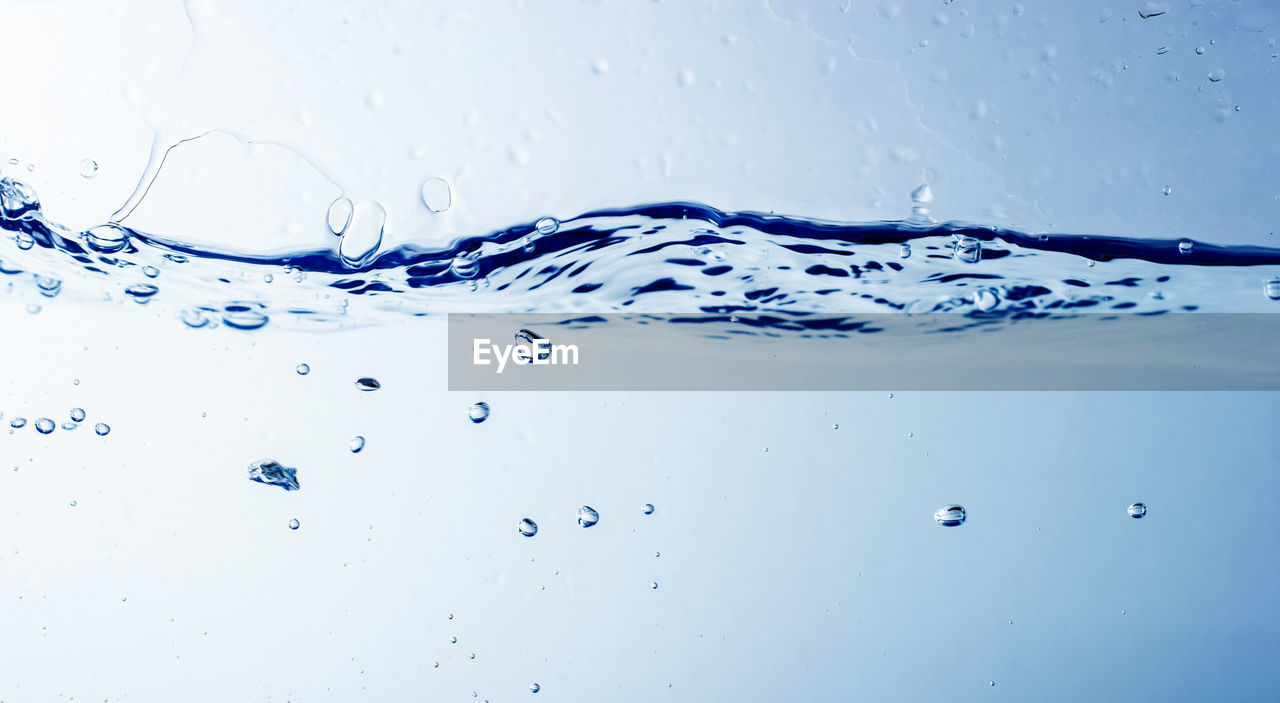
x=955, y=515
x=45, y=425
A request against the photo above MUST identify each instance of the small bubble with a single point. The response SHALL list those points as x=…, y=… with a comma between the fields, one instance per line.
x=107, y=239
x=587, y=516
x=1217, y=74
x=453, y=640
x=479, y=412
x=69, y=425
x=1184, y=247
x=243, y=316
x=49, y=286
x=437, y=195
x=367, y=384
x=1138, y=511
x=150, y=271
x=1162, y=51
x=141, y=293
x=24, y=241
x=101, y=429
x=88, y=168
x=968, y=250
x=654, y=585
x=294, y=524
x=77, y=414
x=303, y=369
x=1272, y=288
x=1153, y=9
x=534, y=688
x=44, y=425
x=356, y=444
x=904, y=251
x=1168, y=190
x=528, y=527
x=950, y=515
x=465, y=265
x=17, y=422
x=647, y=508
x=1200, y=50
x=547, y=225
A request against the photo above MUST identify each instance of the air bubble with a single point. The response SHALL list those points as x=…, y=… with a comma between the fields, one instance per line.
x=49, y=286
x=437, y=195
x=547, y=225
x=303, y=369
x=101, y=429
x=968, y=250
x=950, y=515
x=1138, y=511
x=77, y=414
x=1272, y=288
x=17, y=199
x=1168, y=190
x=294, y=524
x=587, y=516
x=17, y=422
x=356, y=444
x=904, y=251
x=44, y=425
x=1185, y=246
x=88, y=168
x=465, y=265
x=367, y=384
x=528, y=527
x=534, y=688
x=107, y=239
x=1217, y=74
x=243, y=316
x=647, y=508
x=1153, y=9
x=479, y=412
x=141, y=292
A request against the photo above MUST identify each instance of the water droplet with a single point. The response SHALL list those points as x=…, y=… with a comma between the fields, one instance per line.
x=547, y=225
x=950, y=515
x=904, y=251
x=654, y=585
x=453, y=640
x=367, y=384
x=478, y=412
x=152, y=272
x=294, y=524
x=647, y=508
x=1138, y=511
x=968, y=250
x=303, y=369
x=1185, y=246
x=17, y=422
x=243, y=316
x=88, y=168
x=77, y=414
x=339, y=215
x=587, y=516
x=922, y=194
x=107, y=239
x=1217, y=74
x=1168, y=190
x=356, y=444
x=141, y=292
x=466, y=265
x=1272, y=288
x=101, y=429
x=1153, y=9
x=273, y=473
x=69, y=425
x=437, y=195
x=44, y=425
x=534, y=688
x=24, y=241
x=528, y=527
x=49, y=286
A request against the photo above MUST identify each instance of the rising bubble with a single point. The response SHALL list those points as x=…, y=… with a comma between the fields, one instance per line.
x=88, y=168
x=77, y=414
x=17, y=422
x=1272, y=288
x=243, y=316
x=294, y=524
x=528, y=527
x=1138, y=511
x=1185, y=246
x=478, y=412
x=950, y=515
x=534, y=688
x=44, y=425
x=356, y=444
x=968, y=250
x=303, y=369
x=647, y=508
x=587, y=516
x=101, y=429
